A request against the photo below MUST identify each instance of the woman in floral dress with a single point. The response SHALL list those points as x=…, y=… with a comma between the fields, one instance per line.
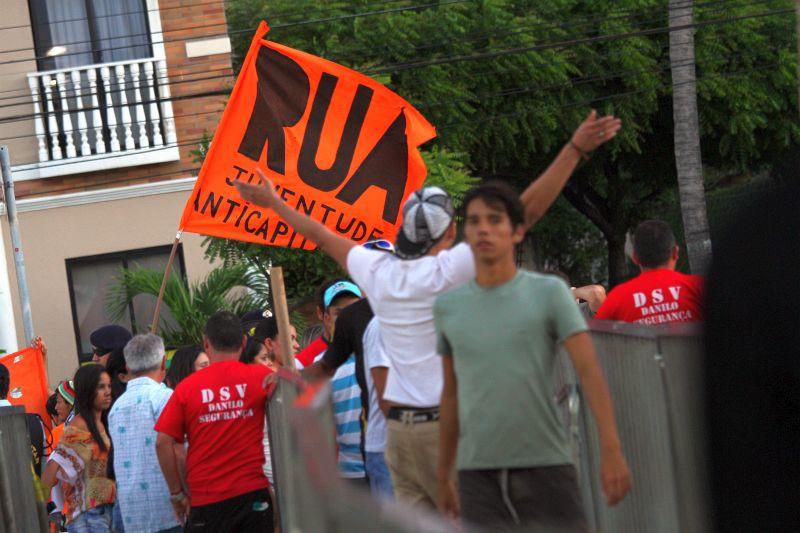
x=80, y=461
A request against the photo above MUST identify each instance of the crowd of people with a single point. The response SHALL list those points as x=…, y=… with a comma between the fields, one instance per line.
x=441, y=358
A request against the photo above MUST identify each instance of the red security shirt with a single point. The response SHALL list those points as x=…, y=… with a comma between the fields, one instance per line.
x=310, y=352
x=221, y=411
x=656, y=297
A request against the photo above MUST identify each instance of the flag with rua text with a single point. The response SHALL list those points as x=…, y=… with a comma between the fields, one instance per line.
x=337, y=145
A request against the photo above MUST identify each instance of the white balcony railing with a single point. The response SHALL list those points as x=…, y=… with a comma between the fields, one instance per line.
x=87, y=115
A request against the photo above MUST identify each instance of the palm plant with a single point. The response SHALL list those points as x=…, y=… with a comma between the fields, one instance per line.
x=231, y=288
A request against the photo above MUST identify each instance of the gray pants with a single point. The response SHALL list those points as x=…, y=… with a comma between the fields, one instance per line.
x=532, y=499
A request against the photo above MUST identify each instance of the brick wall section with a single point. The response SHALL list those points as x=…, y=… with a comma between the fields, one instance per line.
x=193, y=115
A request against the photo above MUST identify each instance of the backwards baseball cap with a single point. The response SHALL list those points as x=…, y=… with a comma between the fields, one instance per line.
x=337, y=289
x=427, y=214
x=67, y=391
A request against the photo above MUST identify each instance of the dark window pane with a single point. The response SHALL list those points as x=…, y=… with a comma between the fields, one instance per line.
x=91, y=278
x=122, y=29
x=90, y=282
x=87, y=32
x=144, y=305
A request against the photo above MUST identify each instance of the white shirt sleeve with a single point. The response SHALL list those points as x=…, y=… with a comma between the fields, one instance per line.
x=359, y=265
x=457, y=264
x=374, y=355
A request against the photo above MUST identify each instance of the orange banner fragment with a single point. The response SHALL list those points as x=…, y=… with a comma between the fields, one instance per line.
x=28, y=385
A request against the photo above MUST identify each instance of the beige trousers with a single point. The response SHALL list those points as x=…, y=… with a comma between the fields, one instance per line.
x=412, y=451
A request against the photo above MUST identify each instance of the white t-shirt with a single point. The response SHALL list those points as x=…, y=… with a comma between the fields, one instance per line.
x=402, y=293
x=374, y=356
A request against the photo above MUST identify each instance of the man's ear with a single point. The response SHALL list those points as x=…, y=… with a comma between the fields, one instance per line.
x=244, y=342
x=206, y=344
x=635, y=259
x=676, y=252
x=519, y=234
x=320, y=313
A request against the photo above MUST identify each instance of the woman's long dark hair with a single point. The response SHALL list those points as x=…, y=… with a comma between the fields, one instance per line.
x=265, y=329
x=86, y=380
x=250, y=351
x=182, y=365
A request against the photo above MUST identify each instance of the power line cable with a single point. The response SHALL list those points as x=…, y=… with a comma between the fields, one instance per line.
x=157, y=84
x=160, y=9
x=571, y=24
x=544, y=46
x=422, y=105
x=568, y=43
x=228, y=33
x=445, y=127
x=179, y=71
x=484, y=118
x=590, y=101
x=69, y=83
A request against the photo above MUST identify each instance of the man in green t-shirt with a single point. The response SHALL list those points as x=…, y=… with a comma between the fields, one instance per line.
x=498, y=336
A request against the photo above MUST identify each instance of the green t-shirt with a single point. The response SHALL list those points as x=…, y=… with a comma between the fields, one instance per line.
x=503, y=343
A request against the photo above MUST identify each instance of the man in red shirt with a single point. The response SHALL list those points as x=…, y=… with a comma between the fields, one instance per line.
x=659, y=294
x=220, y=412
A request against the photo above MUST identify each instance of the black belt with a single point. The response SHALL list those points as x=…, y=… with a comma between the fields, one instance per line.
x=410, y=415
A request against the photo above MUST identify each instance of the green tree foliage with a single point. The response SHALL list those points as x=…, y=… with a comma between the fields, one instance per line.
x=506, y=82
x=190, y=306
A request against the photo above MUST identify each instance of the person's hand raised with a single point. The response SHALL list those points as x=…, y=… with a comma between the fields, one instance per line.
x=263, y=194
x=594, y=131
x=39, y=343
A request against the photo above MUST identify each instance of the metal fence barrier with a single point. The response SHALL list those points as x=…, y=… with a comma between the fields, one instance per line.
x=654, y=374
x=655, y=378
x=19, y=509
x=311, y=496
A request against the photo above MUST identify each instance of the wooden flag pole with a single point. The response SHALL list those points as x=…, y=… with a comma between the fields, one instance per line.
x=157, y=312
x=281, y=310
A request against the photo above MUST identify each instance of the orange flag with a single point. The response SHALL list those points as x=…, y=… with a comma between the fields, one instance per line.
x=28, y=381
x=338, y=146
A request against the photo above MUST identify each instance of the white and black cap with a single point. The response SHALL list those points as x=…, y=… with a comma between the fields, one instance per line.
x=427, y=214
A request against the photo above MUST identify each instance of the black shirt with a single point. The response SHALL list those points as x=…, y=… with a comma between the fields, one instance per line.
x=348, y=339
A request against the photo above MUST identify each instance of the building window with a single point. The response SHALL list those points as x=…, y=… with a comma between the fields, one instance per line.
x=89, y=279
x=73, y=33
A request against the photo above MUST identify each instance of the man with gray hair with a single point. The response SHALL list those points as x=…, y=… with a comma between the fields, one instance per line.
x=142, y=492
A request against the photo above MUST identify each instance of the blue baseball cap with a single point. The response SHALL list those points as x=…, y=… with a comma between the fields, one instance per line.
x=339, y=288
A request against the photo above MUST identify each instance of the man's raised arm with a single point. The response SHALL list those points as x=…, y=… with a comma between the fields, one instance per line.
x=541, y=194
x=328, y=241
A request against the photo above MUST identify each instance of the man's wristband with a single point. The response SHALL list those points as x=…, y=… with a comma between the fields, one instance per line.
x=584, y=155
x=177, y=497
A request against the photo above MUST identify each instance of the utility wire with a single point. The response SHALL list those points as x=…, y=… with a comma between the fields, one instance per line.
x=484, y=118
x=248, y=30
x=68, y=83
x=544, y=46
x=548, y=26
x=183, y=70
x=445, y=127
x=491, y=117
x=586, y=21
x=167, y=8
x=566, y=44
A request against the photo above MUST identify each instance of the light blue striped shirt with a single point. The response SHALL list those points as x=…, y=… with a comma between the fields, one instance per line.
x=142, y=492
x=346, y=397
